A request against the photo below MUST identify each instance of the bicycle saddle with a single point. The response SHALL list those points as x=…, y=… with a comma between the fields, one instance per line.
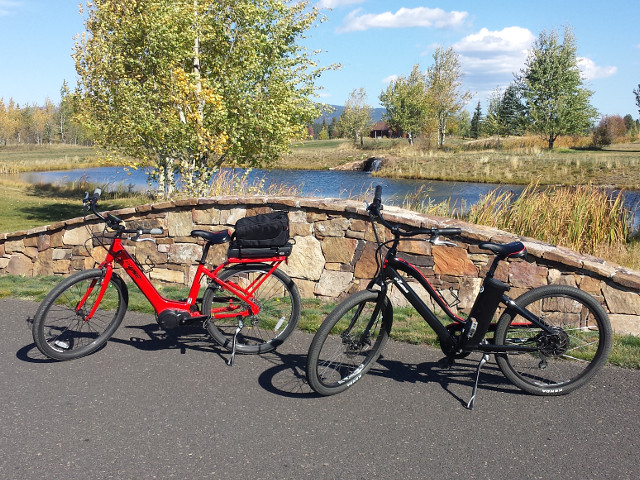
x=504, y=250
x=222, y=236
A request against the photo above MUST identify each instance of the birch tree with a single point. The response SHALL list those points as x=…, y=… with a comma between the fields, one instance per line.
x=444, y=81
x=356, y=116
x=406, y=101
x=186, y=86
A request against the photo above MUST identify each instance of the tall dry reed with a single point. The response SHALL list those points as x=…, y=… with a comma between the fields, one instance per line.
x=583, y=218
x=231, y=182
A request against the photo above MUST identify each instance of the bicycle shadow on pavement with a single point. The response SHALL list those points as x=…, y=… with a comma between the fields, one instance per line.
x=184, y=338
x=461, y=374
x=30, y=353
x=287, y=376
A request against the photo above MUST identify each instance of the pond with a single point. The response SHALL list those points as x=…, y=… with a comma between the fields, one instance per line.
x=312, y=183
x=317, y=183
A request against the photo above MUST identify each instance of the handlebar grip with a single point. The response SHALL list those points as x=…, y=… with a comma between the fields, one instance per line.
x=377, y=196
x=450, y=231
x=156, y=231
x=96, y=193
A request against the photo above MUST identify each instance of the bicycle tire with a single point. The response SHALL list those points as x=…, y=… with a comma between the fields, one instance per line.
x=565, y=360
x=279, y=302
x=338, y=355
x=62, y=333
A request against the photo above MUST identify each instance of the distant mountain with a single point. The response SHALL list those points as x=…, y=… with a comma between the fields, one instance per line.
x=376, y=114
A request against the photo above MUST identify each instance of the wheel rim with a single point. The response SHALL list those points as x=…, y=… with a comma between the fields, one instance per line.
x=275, y=310
x=347, y=351
x=67, y=331
x=562, y=356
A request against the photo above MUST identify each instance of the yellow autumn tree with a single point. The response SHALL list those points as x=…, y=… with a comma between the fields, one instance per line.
x=186, y=86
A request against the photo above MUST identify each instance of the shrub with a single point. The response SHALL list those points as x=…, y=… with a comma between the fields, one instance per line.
x=610, y=128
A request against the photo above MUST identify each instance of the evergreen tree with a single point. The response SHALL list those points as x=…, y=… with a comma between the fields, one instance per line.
x=475, y=121
x=511, y=111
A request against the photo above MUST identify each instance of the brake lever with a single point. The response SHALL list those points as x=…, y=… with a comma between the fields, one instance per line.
x=138, y=239
x=436, y=240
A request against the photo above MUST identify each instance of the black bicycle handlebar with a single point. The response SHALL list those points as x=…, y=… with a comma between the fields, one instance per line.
x=112, y=221
x=376, y=206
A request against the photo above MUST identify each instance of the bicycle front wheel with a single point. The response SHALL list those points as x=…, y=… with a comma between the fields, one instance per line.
x=278, y=301
x=564, y=359
x=62, y=329
x=348, y=342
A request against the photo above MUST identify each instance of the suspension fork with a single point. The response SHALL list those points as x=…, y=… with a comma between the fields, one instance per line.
x=381, y=295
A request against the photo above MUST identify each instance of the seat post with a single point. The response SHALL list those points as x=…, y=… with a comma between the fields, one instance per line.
x=494, y=265
x=205, y=252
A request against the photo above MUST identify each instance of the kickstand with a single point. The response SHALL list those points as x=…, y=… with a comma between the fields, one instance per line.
x=233, y=344
x=485, y=359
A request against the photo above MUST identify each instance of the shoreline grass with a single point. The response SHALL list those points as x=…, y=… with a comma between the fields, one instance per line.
x=15, y=159
x=515, y=160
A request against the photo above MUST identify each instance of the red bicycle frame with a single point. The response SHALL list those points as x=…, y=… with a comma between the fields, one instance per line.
x=117, y=253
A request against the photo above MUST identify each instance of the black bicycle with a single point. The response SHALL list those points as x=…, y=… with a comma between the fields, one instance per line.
x=549, y=341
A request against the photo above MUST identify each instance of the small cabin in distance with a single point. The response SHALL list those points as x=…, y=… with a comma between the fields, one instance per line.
x=380, y=129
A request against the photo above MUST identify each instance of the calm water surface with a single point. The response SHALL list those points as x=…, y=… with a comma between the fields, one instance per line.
x=316, y=183
x=312, y=183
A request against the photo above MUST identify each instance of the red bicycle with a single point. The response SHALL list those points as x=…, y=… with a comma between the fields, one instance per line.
x=249, y=305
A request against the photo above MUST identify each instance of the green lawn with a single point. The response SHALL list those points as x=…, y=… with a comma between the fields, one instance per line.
x=27, y=206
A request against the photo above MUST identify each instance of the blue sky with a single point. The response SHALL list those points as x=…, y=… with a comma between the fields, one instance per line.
x=375, y=41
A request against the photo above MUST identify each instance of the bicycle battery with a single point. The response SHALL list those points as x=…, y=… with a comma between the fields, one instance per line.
x=483, y=310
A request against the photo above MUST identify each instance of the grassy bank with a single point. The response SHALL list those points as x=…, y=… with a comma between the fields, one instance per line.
x=516, y=160
x=26, y=206
x=575, y=217
x=33, y=158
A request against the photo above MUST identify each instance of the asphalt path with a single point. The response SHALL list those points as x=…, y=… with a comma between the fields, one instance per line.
x=150, y=406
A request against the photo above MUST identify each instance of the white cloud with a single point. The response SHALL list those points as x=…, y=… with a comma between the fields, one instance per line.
x=403, y=18
x=490, y=58
x=510, y=42
x=6, y=6
x=389, y=79
x=591, y=71
x=336, y=3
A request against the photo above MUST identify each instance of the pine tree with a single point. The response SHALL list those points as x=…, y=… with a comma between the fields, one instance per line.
x=475, y=121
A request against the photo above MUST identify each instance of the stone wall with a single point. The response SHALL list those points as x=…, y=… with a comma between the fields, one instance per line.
x=334, y=252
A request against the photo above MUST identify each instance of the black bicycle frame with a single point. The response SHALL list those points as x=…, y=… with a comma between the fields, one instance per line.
x=449, y=344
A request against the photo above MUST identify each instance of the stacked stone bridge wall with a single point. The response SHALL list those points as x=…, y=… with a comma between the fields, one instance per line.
x=334, y=252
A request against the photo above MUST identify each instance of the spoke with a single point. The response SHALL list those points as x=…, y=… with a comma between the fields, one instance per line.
x=575, y=358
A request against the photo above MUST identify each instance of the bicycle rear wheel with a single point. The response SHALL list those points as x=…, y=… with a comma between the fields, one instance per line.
x=563, y=360
x=61, y=328
x=278, y=300
x=348, y=342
